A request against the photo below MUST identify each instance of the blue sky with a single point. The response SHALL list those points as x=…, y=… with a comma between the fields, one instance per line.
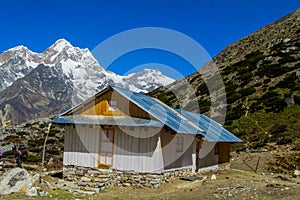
x=214, y=24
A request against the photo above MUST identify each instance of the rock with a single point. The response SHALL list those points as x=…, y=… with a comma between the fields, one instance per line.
x=46, y=184
x=297, y=172
x=43, y=193
x=85, y=179
x=213, y=177
x=50, y=162
x=36, y=178
x=99, y=180
x=99, y=185
x=32, y=192
x=96, y=190
x=148, y=185
x=126, y=184
x=155, y=181
x=81, y=183
x=154, y=176
x=15, y=180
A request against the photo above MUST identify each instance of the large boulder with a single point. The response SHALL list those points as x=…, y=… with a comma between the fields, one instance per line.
x=15, y=180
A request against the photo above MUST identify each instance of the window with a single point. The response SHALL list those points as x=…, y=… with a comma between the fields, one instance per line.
x=179, y=144
x=217, y=148
x=112, y=106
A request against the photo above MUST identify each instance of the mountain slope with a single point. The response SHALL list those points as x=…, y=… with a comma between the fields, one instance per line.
x=38, y=84
x=261, y=74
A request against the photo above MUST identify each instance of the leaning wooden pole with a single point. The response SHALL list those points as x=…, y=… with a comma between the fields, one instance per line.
x=44, y=148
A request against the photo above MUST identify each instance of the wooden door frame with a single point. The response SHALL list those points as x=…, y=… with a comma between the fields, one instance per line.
x=103, y=165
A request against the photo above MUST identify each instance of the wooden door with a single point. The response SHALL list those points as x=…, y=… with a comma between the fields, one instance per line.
x=106, y=147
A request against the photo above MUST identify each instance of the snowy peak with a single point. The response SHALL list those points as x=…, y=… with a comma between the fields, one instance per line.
x=62, y=50
x=150, y=76
x=19, y=51
x=60, y=44
x=147, y=80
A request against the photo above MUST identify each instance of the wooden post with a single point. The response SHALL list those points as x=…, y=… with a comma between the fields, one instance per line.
x=44, y=148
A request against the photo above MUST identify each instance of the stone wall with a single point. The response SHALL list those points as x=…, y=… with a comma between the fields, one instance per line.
x=100, y=179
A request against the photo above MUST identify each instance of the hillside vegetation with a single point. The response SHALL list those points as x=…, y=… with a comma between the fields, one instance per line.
x=261, y=74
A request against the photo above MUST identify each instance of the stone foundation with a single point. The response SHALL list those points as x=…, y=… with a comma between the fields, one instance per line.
x=88, y=178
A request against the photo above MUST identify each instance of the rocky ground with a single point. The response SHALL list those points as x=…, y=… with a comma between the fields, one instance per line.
x=228, y=184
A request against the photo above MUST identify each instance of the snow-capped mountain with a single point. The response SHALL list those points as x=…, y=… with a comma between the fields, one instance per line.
x=38, y=84
x=147, y=80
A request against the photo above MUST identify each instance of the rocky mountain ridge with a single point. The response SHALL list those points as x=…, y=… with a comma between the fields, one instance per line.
x=40, y=84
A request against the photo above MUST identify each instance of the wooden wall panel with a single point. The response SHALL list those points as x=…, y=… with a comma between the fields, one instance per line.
x=224, y=152
x=100, y=106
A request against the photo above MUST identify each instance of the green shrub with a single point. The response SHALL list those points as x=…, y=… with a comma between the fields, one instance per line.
x=7, y=153
x=54, y=151
x=266, y=81
x=230, y=86
x=247, y=91
x=258, y=84
x=272, y=71
x=202, y=89
x=245, y=78
x=51, y=141
x=36, y=149
x=33, y=158
x=52, y=133
x=254, y=57
x=255, y=106
x=234, y=97
x=273, y=101
x=235, y=113
x=204, y=105
x=287, y=59
x=227, y=70
x=34, y=143
x=289, y=81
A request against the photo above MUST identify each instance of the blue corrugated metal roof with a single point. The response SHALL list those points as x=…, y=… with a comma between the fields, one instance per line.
x=214, y=131
x=178, y=120
x=106, y=120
